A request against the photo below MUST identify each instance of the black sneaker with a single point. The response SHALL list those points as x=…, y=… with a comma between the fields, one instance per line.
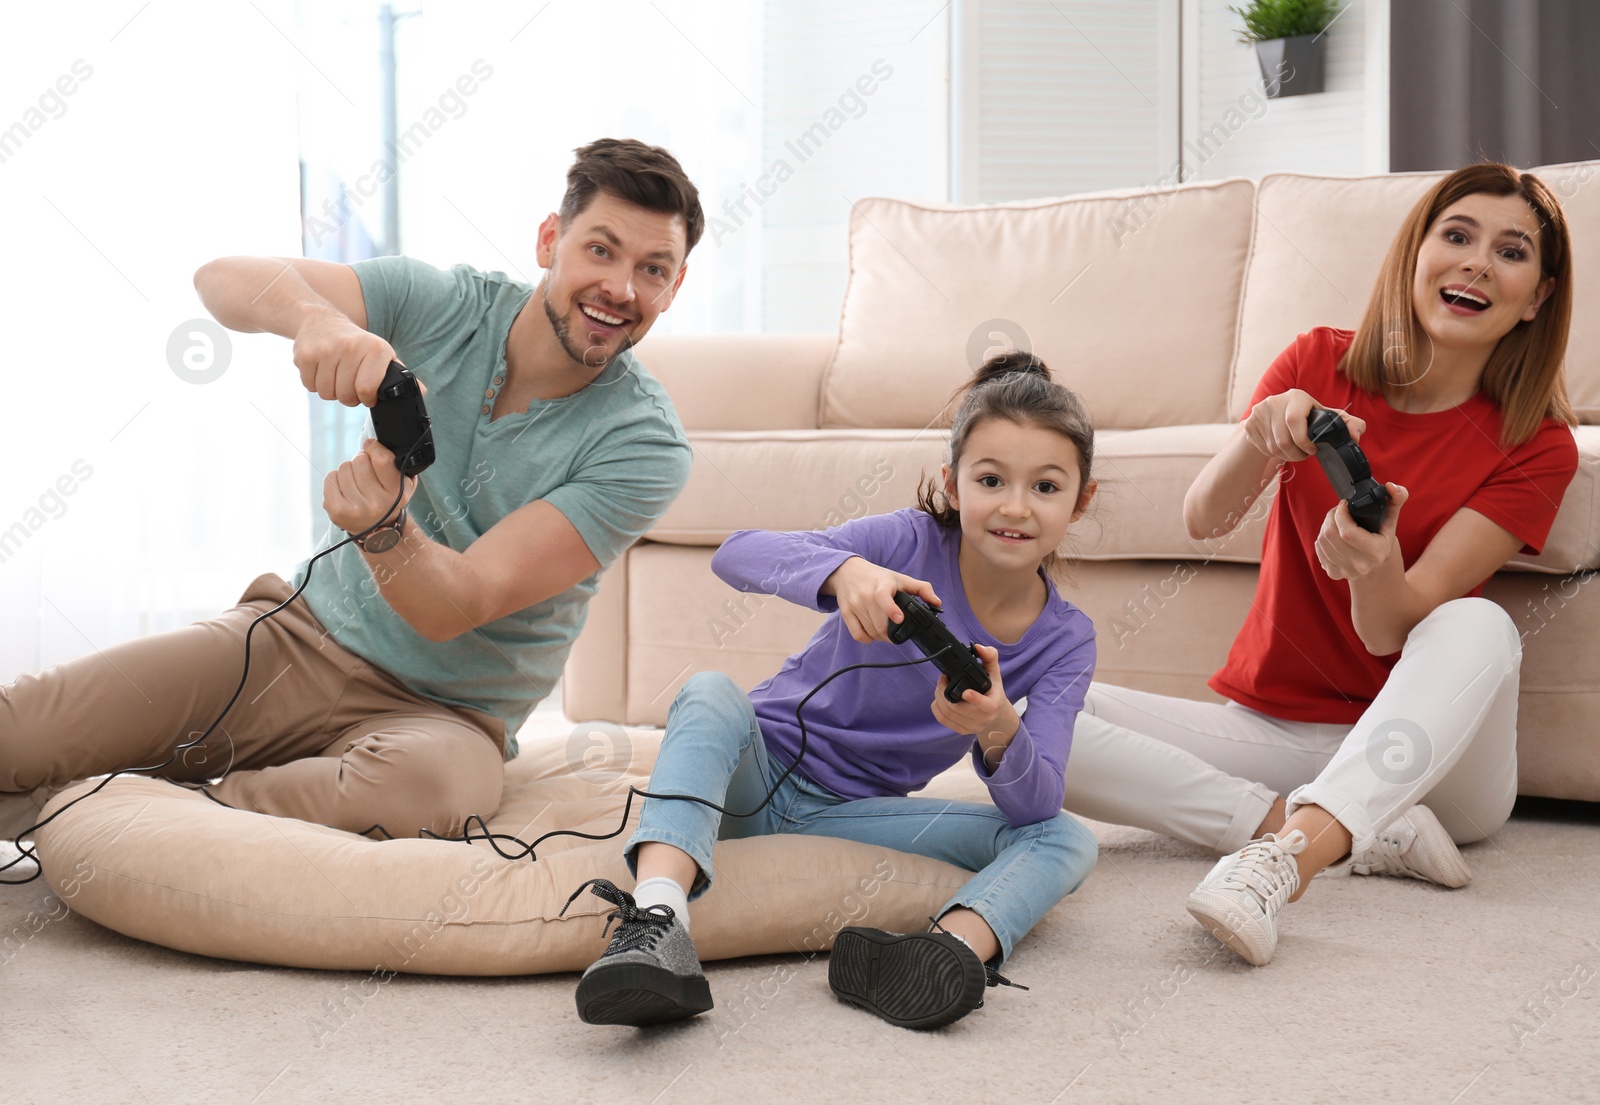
x=649, y=973
x=914, y=980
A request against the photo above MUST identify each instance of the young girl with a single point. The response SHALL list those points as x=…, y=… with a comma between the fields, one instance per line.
x=1366, y=679
x=1018, y=475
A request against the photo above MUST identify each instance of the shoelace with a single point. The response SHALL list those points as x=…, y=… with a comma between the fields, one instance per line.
x=1387, y=855
x=636, y=928
x=1266, y=868
x=991, y=977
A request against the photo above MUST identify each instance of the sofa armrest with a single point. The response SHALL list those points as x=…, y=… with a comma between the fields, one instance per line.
x=741, y=381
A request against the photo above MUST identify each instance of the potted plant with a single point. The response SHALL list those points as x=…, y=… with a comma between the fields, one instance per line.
x=1288, y=36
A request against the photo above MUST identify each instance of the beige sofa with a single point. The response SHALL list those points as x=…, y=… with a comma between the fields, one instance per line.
x=1162, y=308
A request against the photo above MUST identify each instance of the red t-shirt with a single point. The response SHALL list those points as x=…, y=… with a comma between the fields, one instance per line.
x=1298, y=656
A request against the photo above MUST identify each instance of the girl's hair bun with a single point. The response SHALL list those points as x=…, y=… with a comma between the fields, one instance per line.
x=1013, y=387
x=1017, y=360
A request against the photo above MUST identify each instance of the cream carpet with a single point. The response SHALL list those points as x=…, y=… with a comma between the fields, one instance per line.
x=1383, y=990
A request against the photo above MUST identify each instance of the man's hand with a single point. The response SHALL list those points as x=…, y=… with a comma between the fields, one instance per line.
x=360, y=493
x=866, y=597
x=339, y=360
x=989, y=717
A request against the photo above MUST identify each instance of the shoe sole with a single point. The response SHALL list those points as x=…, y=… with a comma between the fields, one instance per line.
x=913, y=981
x=638, y=995
x=1224, y=921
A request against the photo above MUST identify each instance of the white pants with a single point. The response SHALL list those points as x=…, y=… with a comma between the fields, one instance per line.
x=1442, y=731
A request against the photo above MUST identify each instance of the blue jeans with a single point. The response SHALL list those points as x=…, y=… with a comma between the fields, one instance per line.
x=713, y=750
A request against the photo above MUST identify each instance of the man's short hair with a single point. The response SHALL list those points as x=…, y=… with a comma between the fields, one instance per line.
x=647, y=176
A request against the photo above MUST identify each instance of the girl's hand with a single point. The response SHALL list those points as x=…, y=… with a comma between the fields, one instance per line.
x=866, y=597
x=1346, y=551
x=989, y=717
x=1277, y=425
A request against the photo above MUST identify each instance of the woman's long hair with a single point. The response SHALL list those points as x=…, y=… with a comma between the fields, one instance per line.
x=1524, y=374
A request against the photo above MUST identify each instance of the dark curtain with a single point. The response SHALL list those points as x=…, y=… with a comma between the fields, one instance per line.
x=1500, y=80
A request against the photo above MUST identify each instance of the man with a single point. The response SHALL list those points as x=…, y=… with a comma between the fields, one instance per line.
x=388, y=695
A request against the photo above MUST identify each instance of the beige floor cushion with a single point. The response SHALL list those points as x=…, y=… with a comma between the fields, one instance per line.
x=160, y=863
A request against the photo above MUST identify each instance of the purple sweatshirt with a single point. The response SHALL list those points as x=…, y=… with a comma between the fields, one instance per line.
x=871, y=733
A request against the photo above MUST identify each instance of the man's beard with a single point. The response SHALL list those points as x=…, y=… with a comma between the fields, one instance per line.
x=563, y=333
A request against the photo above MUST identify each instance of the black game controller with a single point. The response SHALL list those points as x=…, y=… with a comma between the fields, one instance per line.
x=400, y=419
x=1347, y=469
x=923, y=628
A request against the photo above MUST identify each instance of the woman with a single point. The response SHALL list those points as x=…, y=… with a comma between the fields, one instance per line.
x=1367, y=677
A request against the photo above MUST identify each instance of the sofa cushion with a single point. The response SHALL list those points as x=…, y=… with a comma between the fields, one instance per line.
x=796, y=479
x=1577, y=185
x=740, y=381
x=1319, y=244
x=827, y=477
x=1144, y=475
x=1574, y=540
x=1138, y=511
x=1130, y=297
x=682, y=619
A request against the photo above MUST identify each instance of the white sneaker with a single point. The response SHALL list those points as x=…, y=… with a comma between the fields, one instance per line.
x=1414, y=846
x=1238, y=901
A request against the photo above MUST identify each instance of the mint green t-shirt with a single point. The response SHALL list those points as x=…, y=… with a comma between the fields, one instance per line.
x=611, y=457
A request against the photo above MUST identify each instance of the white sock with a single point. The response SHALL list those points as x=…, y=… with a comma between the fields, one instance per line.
x=958, y=936
x=663, y=891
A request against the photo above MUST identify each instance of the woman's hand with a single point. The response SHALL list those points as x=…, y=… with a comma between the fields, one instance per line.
x=1276, y=426
x=989, y=717
x=866, y=597
x=1346, y=551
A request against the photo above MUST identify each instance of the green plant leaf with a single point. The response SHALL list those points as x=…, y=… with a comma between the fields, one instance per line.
x=1269, y=19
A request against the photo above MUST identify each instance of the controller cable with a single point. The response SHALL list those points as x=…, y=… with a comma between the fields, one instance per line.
x=525, y=849
x=27, y=852
x=494, y=840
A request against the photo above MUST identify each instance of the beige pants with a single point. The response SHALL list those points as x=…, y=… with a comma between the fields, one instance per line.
x=317, y=733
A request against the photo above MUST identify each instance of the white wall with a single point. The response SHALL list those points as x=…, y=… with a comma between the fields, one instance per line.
x=177, y=146
x=683, y=74
x=1062, y=96
x=855, y=103
x=726, y=85
x=1341, y=131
